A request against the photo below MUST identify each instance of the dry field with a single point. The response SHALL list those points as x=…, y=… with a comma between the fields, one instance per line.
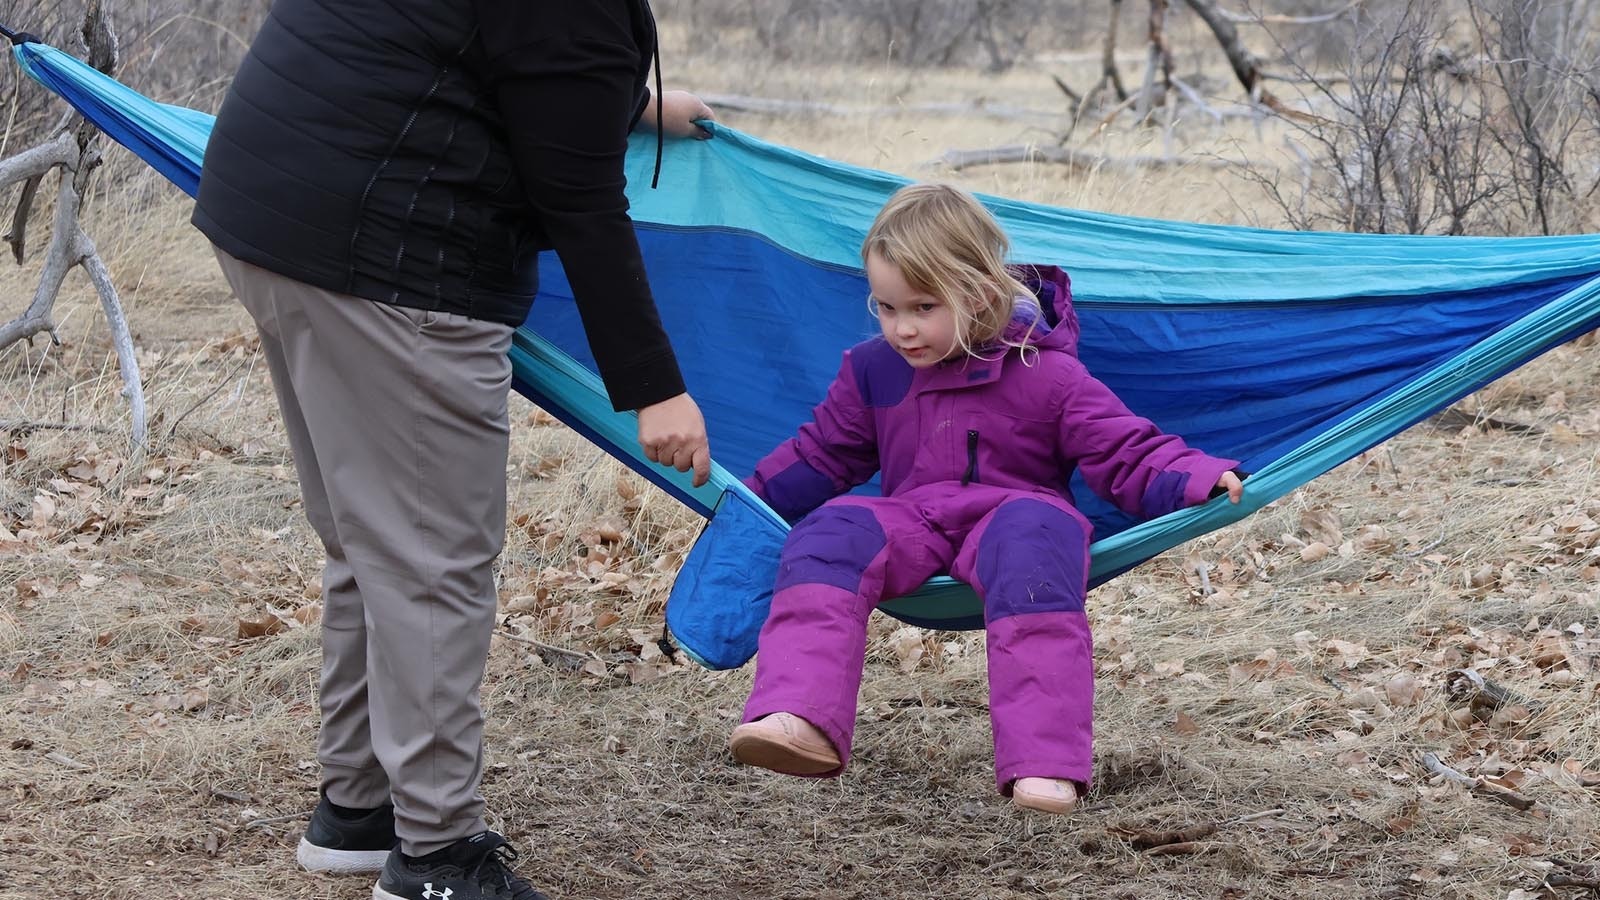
x=158, y=624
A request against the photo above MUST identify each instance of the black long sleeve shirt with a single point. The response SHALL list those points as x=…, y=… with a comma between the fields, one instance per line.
x=569, y=78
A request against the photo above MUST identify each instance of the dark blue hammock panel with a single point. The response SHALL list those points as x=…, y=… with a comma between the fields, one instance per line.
x=1292, y=351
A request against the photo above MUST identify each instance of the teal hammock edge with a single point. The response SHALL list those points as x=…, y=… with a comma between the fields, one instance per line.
x=1494, y=355
x=172, y=139
x=1339, y=264
x=820, y=209
x=536, y=361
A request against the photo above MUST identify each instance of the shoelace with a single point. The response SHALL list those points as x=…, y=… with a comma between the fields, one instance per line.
x=493, y=871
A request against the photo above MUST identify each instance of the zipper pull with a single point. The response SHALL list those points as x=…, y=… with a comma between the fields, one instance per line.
x=971, y=474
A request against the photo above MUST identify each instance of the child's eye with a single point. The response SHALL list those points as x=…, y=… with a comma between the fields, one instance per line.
x=927, y=307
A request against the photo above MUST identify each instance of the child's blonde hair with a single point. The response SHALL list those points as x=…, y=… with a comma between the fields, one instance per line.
x=946, y=244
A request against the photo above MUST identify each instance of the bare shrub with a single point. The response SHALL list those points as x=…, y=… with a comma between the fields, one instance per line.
x=989, y=33
x=177, y=51
x=1312, y=33
x=1477, y=120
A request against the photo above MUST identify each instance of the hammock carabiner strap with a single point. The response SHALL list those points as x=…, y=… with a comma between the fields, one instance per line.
x=18, y=37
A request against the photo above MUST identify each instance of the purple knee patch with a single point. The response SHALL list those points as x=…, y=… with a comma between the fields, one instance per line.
x=1165, y=494
x=1032, y=558
x=882, y=377
x=832, y=546
x=797, y=490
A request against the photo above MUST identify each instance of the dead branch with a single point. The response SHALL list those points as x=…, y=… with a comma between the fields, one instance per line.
x=1175, y=841
x=1478, y=786
x=775, y=106
x=1456, y=418
x=553, y=656
x=67, y=762
x=1072, y=95
x=1592, y=884
x=9, y=425
x=1187, y=848
x=1243, y=62
x=272, y=820
x=1467, y=687
x=1109, y=76
x=1576, y=874
x=58, y=257
x=1253, y=18
x=38, y=161
x=121, y=337
x=17, y=237
x=1159, y=56
x=956, y=160
x=73, y=154
x=1151, y=839
x=1199, y=102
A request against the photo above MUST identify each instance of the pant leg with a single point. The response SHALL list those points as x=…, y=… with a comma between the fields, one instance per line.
x=1029, y=561
x=837, y=565
x=405, y=416
x=351, y=774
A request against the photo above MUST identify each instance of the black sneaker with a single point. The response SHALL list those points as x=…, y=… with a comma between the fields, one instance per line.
x=341, y=843
x=470, y=869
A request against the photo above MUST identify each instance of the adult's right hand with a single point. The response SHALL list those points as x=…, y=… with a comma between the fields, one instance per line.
x=673, y=433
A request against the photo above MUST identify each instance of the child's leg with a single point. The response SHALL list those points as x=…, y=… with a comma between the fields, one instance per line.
x=1029, y=561
x=837, y=564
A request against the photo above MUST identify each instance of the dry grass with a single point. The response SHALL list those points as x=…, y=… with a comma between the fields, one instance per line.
x=149, y=749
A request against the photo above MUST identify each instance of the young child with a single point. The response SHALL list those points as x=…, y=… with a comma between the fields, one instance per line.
x=976, y=410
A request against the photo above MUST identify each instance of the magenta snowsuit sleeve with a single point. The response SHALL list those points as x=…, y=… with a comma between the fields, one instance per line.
x=1126, y=459
x=834, y=452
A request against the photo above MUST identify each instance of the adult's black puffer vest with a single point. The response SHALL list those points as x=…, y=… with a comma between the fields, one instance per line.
x=358, y=151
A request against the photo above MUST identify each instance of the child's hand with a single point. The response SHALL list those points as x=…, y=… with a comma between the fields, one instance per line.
x=1230, y=482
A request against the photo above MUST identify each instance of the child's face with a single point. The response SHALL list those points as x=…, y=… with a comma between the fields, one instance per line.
x=920, y=326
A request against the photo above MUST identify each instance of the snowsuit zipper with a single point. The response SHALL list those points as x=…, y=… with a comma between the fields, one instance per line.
x=971, y=474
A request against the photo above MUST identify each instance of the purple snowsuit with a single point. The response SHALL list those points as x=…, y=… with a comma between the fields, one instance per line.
x=975, y=457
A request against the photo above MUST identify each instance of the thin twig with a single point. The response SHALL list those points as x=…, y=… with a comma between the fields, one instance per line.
x=1478, y=786
x=269, y=820
x=202, y=401
x=1240, y=820
x=1263, y=19
x=549, y=648
x=29, y=425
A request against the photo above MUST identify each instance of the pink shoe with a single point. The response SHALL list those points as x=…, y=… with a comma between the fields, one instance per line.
x=784, y=742
x=1056, y=796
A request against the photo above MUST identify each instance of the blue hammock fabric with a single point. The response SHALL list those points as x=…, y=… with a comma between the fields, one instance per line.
x=1291, y=351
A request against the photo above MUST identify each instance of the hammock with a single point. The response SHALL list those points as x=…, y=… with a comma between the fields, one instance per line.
x=1290, y=351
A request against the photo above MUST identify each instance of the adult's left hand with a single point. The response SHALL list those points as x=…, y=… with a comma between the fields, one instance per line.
x=680, y=112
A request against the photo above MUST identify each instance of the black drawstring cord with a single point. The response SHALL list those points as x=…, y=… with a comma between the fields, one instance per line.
x=22, y=37
x=655, y=52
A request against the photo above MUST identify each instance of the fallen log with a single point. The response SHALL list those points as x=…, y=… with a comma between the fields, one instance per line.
x=1078, y=159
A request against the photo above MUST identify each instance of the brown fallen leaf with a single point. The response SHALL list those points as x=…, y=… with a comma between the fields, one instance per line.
x=1403, y=690
x=260, y=627
x=1322, y=525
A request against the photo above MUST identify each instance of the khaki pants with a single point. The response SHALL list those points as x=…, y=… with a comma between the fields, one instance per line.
x=397, y=421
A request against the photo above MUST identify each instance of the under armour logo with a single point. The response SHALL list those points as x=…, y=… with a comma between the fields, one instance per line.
x=428, y=893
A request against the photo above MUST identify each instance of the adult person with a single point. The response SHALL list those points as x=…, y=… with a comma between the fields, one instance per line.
x=380, y=180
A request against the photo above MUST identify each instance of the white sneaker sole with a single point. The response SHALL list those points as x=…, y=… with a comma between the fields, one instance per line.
x=378, y=893
x=339, y=862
